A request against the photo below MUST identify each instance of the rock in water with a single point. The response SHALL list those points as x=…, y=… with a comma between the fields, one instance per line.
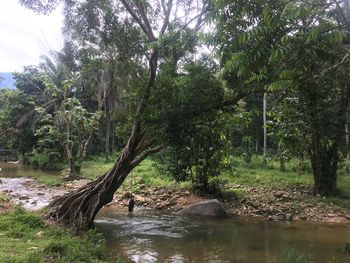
x=211, y=207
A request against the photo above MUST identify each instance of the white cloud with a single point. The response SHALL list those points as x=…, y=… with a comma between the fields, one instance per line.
x=25, y=35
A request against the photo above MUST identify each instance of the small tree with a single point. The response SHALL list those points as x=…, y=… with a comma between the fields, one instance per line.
x=70, y=126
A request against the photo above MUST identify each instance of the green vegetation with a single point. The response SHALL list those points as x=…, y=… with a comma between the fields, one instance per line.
x=146, y=173
x=269, y=176
x=347, y=248
x=292, y=256
x=25, y=238
x=274, y=83
x=267, y=107
x=49, y=180
x=253, y=174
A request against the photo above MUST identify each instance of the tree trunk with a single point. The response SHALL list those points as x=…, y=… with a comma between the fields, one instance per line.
x=257, y=140
x=325, y=157
x=265, y=128
x=112, y=136
x=79, y=208
x=347, y=140
x=108, y=134
x=324, y=167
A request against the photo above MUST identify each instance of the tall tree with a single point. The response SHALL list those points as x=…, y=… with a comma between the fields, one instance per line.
x=289, y=46
x=107, y=50
x=163, y=23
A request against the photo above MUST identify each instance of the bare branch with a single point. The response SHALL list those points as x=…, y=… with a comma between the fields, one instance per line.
x=199, y=17
x=343, y=61
x=143, y=144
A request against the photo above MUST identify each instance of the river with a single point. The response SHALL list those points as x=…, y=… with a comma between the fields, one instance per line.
x=149, y=236
x=154, y=236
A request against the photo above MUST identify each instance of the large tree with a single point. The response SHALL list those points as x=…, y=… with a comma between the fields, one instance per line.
x=299, y=49
x=169, y=28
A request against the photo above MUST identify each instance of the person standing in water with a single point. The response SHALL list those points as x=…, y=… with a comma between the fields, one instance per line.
x=131, y=204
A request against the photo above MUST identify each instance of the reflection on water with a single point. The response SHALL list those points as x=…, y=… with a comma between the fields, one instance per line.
x=155, y=237
x=15, y=170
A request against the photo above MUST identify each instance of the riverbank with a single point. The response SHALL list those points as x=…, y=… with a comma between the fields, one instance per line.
x=250, y=189
x=241, y=190
x=257, y=202
x=26, y=238
x=270, y=205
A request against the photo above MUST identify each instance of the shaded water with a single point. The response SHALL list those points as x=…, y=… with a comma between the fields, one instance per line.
x=156, y=237
x=15, y=170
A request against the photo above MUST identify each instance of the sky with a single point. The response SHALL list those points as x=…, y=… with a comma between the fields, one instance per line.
x=25, y=35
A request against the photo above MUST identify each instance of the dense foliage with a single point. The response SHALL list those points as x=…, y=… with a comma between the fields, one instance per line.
x=200, y=109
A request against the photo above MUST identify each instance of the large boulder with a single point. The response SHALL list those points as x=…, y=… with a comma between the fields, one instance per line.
x=211, y=207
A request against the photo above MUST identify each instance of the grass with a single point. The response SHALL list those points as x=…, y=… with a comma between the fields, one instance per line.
x=50, y=180
x=257, y=173
x=24, y=238
x=3, y=198
x=146, y=173
x=291, y=256
x=265, y=175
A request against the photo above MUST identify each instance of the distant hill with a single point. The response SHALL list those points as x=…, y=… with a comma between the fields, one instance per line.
x=8, y=81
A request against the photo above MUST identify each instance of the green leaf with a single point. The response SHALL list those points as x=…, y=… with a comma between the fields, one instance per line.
x=279, y=85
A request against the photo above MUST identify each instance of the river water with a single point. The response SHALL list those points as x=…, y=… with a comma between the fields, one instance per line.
x=153, y=236
x=149, y=236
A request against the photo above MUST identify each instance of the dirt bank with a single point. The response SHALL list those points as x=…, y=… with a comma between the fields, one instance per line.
x=258, y=202
x=255, y=202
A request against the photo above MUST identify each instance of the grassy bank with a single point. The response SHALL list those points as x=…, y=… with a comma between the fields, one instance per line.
x=238, y=172
x=253, y=174
x=146, y=173
x=25, y=238
x=269, y=176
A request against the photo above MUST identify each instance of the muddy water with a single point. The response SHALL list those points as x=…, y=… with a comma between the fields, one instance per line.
x=158, y=237
x=17, y=181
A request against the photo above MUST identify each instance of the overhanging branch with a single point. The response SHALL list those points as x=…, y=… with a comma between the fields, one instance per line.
x=145, y=154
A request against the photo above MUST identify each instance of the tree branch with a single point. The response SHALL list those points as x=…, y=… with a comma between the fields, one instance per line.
x=145, y=20
x=143, y=144
x=138, y=20
x=145, y=154
x=343, y=61
x=166, y=20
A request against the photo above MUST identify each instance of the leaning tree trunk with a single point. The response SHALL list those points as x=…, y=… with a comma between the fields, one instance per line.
x=79, y=208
